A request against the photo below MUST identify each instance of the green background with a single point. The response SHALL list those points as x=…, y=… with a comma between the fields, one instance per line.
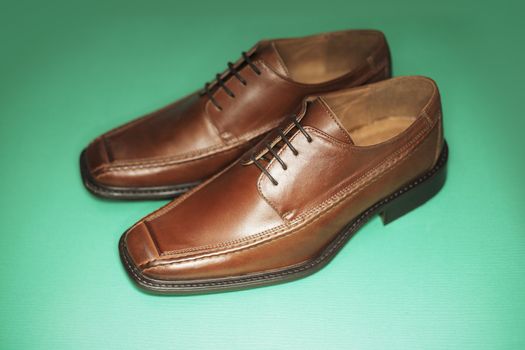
x=450, y=275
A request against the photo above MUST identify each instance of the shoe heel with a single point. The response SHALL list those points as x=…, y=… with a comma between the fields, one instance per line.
x=418, y=192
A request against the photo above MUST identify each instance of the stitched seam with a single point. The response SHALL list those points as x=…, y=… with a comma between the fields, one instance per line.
x=169, y=206
x=262, y=177
x=150, y=166
x=161, y=161
x=319, y=133
x=415, y=141
x=341, y=239
x=169, y=160
x=201, y=154
x=330, y=203
x=278, y=228
x=295, y=229
x=297, y=220
x=265, y=66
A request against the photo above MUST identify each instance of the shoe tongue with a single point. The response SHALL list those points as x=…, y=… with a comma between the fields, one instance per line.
x=267, y=52
x=319, y=115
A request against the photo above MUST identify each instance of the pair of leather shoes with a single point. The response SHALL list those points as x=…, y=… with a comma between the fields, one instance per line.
x=279, y=161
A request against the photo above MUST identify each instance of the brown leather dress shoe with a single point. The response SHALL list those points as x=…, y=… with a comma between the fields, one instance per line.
x=286, y=207
x=169, y=151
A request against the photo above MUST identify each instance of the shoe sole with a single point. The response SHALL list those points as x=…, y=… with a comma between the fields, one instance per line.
x=402, y=201
x=133, y=193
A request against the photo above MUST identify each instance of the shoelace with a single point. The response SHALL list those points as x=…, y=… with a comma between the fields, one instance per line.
x=275, y=154
x=221, y=82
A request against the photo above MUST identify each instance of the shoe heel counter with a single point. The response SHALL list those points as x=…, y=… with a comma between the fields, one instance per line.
x=380, y=61
x=418, y=192
x=433, y=153
x=434, y=112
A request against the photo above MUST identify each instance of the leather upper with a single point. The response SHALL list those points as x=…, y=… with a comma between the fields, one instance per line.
x=192, y=138
x=366, y=143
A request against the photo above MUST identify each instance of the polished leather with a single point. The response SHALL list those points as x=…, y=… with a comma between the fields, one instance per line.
x=240, y=223
x=192, y=139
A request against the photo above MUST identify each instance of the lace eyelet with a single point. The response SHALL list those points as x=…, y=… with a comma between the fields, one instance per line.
x=220, y=81
x=275, y=154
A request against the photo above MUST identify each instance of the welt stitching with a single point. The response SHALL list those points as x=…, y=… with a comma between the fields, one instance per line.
x=175, y=190
x=339, y=241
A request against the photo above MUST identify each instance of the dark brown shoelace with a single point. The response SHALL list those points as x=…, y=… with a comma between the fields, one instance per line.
x=275, y=153
x=232, y=72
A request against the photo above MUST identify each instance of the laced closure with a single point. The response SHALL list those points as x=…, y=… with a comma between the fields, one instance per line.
x=221, y=81
x=275, y=153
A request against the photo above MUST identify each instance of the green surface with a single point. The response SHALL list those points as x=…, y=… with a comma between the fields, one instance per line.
x=451, y=275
